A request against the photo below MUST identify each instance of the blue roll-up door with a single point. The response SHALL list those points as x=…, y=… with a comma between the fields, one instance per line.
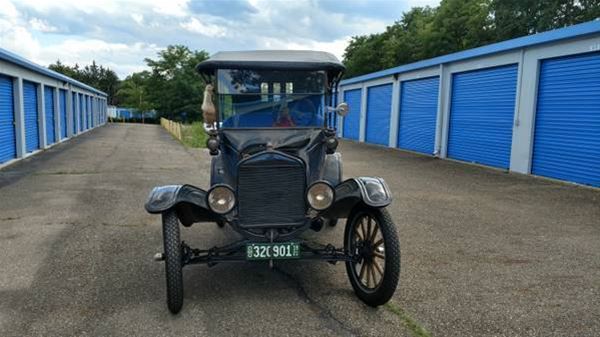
x=49, y=115
x=30, y=105
x=74, y=112
x=418, y=114
x=93, y=111
x=379, y=109
x=81, y=113
x=89, y=111
x=62, y=102
x=352, y=120
x=567, y=123
x=481, y=116
x=8, y=146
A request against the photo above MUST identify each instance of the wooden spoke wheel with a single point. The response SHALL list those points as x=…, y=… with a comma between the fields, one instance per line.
x=370, y=236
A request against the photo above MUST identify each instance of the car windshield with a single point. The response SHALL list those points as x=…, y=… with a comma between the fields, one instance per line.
x=267, y=98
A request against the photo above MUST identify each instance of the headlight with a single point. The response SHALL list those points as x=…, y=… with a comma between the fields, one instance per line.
x=320, y=196
x=221, y=199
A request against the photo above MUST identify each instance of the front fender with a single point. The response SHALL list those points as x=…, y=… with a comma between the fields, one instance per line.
x=188, y=201
x=371, y=191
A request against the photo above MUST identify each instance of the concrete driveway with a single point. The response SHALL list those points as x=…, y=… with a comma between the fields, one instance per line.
x=484, y=253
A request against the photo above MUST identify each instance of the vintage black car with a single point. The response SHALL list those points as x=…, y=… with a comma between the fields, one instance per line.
x=276, y=173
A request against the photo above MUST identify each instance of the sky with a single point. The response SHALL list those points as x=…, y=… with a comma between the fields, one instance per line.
x=120, y=34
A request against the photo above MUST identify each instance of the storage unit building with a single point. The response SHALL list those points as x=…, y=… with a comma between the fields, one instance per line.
x=37, y=107
x=529, y=105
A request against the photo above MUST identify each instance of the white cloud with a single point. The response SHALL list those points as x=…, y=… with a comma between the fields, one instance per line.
x=138, y=18
x=176, y=8
x=121, y=33
x=336, y=47
x=8, y=10
x=42, y=26
x=122, y=58
x=207, y=29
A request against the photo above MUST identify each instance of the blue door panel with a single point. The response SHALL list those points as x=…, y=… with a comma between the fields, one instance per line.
x=62, y=102
x=81, y=113
x=74, y=112
x=351, y=128
x=567, y=123
x=30, y=105
x=49, y=115
x=8, y=147
x=418, y=114
x=481, y=116
x=379, y=109
x=89, y=111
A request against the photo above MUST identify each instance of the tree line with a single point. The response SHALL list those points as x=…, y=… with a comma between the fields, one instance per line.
x=455, y=25
x=172, y=87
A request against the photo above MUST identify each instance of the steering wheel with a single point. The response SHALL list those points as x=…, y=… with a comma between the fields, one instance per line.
x=303, y=112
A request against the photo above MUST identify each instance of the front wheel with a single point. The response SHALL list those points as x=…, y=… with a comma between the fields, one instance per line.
x=370, y=236
x=173, y=263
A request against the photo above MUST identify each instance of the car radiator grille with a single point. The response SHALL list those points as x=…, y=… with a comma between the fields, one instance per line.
x=271, y=194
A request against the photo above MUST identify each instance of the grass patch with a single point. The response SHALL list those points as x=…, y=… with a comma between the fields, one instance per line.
x=193, y=135
x=415, y=328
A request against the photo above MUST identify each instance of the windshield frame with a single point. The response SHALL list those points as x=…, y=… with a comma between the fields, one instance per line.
x=326, y=93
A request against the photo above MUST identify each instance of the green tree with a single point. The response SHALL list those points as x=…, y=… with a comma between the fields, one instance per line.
x=99, y=77
x=133, y=91
x=174, y=88
x=513, y=18
x=457, y=25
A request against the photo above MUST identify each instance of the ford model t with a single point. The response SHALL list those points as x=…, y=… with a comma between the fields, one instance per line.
x=275, y=174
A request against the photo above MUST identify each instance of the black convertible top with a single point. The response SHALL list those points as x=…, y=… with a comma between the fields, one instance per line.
x=272, y=60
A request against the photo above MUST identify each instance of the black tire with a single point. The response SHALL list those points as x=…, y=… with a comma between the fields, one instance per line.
x=370, y=252
x=173, y=261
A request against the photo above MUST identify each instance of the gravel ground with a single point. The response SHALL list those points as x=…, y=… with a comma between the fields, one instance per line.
x=485, y=253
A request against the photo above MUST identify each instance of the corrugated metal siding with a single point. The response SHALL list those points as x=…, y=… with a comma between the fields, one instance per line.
x=352, y=120
x=8, y=148
x=567, y=128
x=30, y=103
x=62, y=102
x=49, y=115
x=379, y=109
x=481, y=118
x=418, y=114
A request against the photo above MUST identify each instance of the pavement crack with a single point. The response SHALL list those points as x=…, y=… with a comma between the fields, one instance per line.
x=325, y=314
x=415, y=328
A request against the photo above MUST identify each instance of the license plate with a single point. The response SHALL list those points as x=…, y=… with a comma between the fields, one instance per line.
x=275, y=250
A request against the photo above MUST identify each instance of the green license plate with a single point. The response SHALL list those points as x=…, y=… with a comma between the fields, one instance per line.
x=275, y=250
